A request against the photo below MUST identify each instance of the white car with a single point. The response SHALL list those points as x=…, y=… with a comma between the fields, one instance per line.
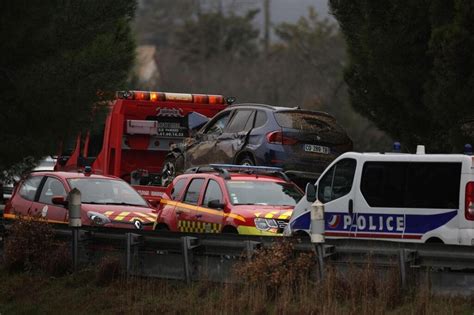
x=46, y=164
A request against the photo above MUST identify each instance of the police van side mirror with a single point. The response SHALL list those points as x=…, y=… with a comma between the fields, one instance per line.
x=310, y=192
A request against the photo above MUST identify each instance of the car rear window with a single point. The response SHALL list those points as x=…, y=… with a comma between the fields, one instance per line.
x=306, y=121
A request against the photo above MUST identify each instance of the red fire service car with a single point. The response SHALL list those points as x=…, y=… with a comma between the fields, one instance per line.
x=235, y=199
x=135, y=138
x=106, y=201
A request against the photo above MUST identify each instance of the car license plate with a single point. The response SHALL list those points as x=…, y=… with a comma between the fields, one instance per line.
x=316, y=148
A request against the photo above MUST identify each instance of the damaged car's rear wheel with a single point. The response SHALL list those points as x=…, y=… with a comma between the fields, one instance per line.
x=172, y=167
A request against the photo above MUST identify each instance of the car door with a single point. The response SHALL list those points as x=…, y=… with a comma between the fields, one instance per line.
x=235, y=135
x=202, y=149
x=335, y=190
x=22, y=202
x=186, y=215
x=52, y=187
x=210, y=218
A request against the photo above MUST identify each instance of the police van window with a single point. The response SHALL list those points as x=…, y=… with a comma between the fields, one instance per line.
x=194, y=188
x=239, y=121
x=337, y=182
x=177, y=188
x=213, y=192
x=383, y=183
x=217, y=126
x=433, y=185
x=29, y=187
x=261, y=119
x=51, y=188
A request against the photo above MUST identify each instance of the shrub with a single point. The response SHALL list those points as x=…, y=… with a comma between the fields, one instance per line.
x=30, y=246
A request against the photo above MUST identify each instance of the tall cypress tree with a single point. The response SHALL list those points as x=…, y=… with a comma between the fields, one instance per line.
x=58, y=59
x=405, y=70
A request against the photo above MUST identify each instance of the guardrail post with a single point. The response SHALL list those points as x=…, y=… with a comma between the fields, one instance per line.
x=132, y=240
x=187, y=255
x=250, y=248
x=402, y=265
x=317, y=233
x=74, y=207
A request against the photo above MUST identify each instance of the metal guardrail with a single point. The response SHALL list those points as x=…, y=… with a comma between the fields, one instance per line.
x=192, y=257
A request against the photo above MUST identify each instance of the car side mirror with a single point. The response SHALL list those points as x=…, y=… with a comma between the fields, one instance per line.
x=59, y=200
x=154, y=203
x=215, y=204
x=310, y=192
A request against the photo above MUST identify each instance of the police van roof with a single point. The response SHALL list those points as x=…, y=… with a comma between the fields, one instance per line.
x=466, y=160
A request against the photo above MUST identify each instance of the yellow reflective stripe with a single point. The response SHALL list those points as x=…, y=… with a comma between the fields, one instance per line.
x=108, y=213
x=270, y=215
x=251, y=230
x=285, y=215
x=148, y=216
x=14, y=217
x=121, y=216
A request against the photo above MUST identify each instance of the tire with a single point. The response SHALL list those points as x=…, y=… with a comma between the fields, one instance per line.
x=229, y=230
x=247, y=161
x=172, y=167
x=162, y=227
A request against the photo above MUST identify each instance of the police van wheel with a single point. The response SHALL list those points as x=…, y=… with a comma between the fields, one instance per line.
x=434, y=240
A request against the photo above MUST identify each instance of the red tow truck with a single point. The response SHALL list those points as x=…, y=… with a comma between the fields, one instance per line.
x=137, y=134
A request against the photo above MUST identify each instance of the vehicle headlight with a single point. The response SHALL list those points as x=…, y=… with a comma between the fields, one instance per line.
x=265, y=224
x=97, y=218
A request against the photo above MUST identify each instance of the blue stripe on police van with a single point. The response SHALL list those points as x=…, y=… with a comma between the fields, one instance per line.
x=378, y=222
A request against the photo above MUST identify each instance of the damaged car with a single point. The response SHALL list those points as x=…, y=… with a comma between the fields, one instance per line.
x=302, y=142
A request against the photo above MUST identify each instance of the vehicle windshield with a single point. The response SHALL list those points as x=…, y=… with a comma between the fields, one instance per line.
x=248, y=192
x=106, y=191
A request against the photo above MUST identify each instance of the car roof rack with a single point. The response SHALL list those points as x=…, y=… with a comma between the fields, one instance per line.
x=270, y=170
x=207, y=169
x=224, y=169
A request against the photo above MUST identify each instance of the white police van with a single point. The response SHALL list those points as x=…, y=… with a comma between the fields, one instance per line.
x=402, y=197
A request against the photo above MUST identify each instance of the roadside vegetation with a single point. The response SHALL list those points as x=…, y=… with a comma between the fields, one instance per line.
x=273, y=282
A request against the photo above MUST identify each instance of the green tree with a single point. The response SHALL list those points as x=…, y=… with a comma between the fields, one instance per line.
x=409, y=68
x=215, y=33
x=58, y=59
x=316, y=52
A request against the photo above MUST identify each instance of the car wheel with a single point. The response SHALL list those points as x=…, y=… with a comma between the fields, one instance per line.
x=247, y=161
x=172, y=167
x=229, y=230
x=162, y=227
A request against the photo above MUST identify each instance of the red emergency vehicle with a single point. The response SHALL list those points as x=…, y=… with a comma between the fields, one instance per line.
x=137, y=135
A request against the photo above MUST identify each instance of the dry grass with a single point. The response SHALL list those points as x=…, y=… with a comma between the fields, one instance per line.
x=275, y=281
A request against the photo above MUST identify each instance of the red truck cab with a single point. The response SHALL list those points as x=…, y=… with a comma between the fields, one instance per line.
x=137, y=134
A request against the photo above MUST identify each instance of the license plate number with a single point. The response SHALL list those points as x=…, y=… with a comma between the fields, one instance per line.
x=316, y=148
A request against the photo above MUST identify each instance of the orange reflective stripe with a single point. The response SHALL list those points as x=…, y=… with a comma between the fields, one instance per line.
x=202, y=209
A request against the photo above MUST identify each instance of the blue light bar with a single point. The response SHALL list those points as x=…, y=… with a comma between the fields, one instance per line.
x=468, y=149
x=246, y=167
